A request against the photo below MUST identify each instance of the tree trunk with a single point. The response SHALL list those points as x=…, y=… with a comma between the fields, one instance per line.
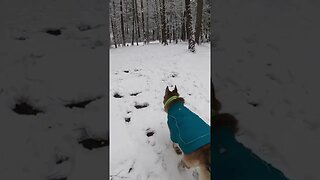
x=137, y=19
x=175, y=37
x=142, y=18
x=113, y=26
x=188, y=19
x=114, y=37
x=122, y=26
x=198, y=21
x=183, y=26
x=133, y=19
x=126, y=22
x=191, y=43
x=147, y=23
x=157, y=20
x=163, y=23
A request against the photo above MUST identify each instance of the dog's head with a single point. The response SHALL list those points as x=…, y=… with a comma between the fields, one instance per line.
x=168, y=94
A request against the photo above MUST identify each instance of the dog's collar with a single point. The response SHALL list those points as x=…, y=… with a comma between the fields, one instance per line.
x=170, y=99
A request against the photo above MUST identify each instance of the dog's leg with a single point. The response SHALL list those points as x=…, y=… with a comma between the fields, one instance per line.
x=204, y=173
x=182, y=166
x=176, y=148
x=190, y=160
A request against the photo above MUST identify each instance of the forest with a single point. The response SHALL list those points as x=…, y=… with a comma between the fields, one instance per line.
x=165, y=21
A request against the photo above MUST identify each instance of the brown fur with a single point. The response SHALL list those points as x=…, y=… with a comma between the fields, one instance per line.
x=225, y=120
x=201, y=157
x=221, y=119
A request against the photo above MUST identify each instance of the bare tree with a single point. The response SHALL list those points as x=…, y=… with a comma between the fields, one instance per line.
x=198, y=21
x=163, y=23
x=147, y=20
x=113, y=27
x=122, y=26
x=191, y=44
x=142, y=19
x=133, y=19
x=137, y=20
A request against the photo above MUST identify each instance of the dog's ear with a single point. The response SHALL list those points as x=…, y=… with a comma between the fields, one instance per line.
x=167, y=90
x=175, y=89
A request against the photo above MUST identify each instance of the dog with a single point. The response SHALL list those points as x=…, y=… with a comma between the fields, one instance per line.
x=231, y=159
x=189, y=133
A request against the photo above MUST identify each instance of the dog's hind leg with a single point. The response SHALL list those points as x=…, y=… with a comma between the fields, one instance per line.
x=204, y=173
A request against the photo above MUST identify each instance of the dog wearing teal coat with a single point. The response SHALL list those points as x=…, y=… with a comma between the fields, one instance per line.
x=189, y=133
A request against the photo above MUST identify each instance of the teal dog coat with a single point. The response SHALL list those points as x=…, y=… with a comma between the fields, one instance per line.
x=187, y=129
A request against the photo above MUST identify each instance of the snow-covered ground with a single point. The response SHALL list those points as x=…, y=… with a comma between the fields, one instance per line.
x=265, y=67
x=140, y=146
x=49, y=70
x=53, y=52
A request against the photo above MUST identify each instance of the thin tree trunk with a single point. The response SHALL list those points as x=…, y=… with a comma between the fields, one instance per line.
x=137, y=19
x=147, y=19
x=142, y=18
x=122, y=26
x=163, y=23
x=175, y=30
x=157, y=19
x=114, y=38
x=113, y=26
x=198, y=21
x=183, y=26
x=133, y=19
x=126, y=22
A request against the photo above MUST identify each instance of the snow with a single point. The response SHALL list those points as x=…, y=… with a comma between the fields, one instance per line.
x=49, y=71
x=267, y=53
x=147, y=70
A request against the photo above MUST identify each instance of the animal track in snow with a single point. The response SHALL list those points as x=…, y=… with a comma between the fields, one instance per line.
x=127, y=119
x=173, y=74
x=25, y=108
x=149, y=132
x=117, y=95
x=61, y=159
x=53, y=31
x=254, y=104
x=91, y=143
x=140, y=106
x=135, y=94
x=80, y=104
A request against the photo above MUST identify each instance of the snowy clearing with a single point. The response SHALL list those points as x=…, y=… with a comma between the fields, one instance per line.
x=140, y=146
